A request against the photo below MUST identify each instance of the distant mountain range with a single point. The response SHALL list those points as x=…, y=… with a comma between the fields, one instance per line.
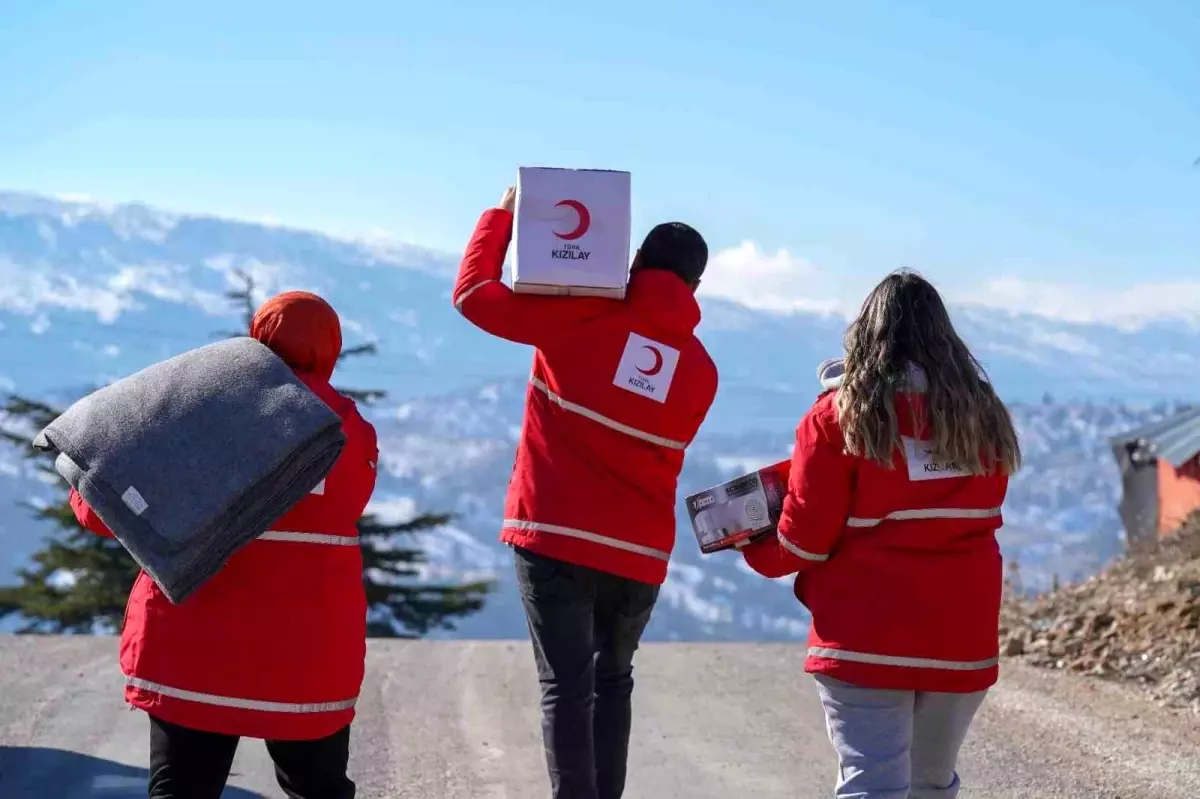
x=89, y=293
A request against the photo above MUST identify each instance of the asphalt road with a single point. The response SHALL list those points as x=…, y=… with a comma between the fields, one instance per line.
x=461, y=720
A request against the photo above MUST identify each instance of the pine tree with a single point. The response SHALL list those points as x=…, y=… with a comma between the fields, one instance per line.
x=400, y=604
x=78, y=582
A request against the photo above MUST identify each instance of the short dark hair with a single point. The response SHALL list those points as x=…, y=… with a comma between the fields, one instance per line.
x=677, y=248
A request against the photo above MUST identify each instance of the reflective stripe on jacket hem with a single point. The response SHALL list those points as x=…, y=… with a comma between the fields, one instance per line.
x=240, y=704
x=310, y=538
x=458, y=305
x=612, y=424
x=908, y=663
x=802, y=553
x=584, y=535
x=925, y=513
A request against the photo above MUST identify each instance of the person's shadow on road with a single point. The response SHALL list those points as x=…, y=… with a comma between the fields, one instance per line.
x=37, y=773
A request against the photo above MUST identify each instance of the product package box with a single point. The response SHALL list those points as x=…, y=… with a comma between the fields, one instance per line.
x=572, y=232
x=742, y=510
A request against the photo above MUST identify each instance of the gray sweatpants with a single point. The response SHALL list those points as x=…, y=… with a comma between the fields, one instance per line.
x=896, y=744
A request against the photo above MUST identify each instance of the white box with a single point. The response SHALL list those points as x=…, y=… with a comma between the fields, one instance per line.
x=572, y=232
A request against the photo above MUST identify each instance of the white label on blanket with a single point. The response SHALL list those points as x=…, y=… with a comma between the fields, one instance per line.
x=921, y=464
x=319, y=489
x=134, y=501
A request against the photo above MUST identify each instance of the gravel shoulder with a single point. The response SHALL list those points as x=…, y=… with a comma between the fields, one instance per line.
x=460, y=719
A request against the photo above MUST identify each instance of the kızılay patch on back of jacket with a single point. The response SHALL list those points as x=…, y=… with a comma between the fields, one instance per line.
x=647, y=367
x=921, y=464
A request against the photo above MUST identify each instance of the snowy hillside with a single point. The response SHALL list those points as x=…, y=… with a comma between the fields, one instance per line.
x=88, y=293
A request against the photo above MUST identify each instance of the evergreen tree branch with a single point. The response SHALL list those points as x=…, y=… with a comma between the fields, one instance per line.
x=77, y=582
x=370, y=348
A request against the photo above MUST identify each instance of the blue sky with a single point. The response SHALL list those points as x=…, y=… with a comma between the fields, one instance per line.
x=1021, y=153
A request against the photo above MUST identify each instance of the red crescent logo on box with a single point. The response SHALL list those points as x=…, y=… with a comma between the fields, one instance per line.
x=658, y=362
x=585, y=220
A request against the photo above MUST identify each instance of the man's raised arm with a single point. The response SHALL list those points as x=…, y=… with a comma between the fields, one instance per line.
x=481, y=296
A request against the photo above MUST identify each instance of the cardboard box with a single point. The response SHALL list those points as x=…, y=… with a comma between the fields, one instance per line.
x=744, y=509
x=572, y=232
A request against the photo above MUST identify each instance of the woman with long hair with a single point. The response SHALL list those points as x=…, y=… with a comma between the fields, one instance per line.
x=898, y=476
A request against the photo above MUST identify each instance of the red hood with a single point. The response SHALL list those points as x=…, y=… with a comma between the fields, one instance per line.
x=303, y=330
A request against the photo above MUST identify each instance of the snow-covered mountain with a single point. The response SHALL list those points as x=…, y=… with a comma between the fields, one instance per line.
x=91, y=292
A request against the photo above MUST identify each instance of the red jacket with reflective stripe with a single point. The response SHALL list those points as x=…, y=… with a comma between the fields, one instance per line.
x=273, y=646
x=618, y=391
x=899, y=567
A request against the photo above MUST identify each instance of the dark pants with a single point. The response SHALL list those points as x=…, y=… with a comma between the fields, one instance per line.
x=191, y=764
x=585, y=627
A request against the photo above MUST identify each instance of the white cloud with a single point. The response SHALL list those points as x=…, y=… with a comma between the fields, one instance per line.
x=781, y=281
x=776, y=281
x=1127, y=306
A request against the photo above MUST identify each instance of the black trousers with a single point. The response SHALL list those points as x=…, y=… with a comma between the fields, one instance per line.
x=585, y=627
x=191, y=764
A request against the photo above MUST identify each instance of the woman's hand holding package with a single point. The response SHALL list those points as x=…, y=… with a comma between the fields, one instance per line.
x=770, y=559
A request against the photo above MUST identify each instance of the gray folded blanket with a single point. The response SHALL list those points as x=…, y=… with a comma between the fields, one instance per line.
x=189, y=460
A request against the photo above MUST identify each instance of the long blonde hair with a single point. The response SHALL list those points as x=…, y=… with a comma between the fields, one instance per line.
x=904, y=324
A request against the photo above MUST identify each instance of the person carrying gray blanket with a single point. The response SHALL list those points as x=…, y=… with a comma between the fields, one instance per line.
x=189, y=460
x=273, y=646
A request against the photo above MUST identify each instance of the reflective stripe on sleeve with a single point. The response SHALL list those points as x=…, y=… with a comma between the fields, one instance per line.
x=459, y=305
x=802, y=553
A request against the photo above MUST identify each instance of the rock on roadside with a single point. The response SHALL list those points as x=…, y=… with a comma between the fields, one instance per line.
x=1137, y=622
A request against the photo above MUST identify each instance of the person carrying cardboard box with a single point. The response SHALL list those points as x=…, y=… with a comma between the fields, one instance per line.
x=619, y=390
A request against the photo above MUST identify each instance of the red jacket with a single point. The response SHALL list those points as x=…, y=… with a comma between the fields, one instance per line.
x=618, y=391
x=899, y=567
x=273, y=646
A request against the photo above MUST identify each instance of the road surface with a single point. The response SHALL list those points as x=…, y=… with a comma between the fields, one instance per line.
x=713, y=722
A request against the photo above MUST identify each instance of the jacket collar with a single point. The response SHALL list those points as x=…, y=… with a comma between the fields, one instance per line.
x=831, y=372
x=665, y=298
